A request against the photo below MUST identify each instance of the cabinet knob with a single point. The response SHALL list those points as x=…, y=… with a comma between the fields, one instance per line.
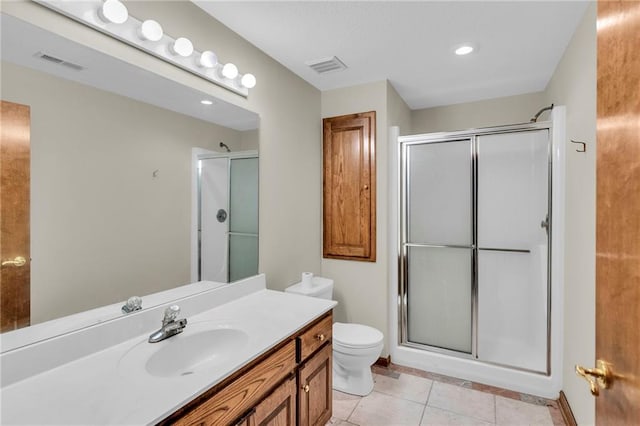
x=320, y=337
x=366, y=187
x=306, y=388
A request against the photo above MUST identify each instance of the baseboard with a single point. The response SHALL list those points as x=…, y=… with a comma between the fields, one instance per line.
x=565, y=409
x=384, y=361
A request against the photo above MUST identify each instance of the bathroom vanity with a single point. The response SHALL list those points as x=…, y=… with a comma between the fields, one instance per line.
x=289, y=385
x=247, y=356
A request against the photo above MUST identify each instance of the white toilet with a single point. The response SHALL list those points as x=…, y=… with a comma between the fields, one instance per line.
x=355, y=346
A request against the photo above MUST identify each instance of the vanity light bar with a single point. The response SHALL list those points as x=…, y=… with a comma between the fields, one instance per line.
x=111, y=17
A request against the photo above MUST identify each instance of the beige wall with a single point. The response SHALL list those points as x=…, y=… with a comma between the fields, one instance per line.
x=574, y=85
x=487, y=113
x=289, y=110
x=360, y=287
x=102, y=227
x=398, y=113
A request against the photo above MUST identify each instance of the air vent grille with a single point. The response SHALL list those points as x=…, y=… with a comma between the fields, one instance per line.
x=327, y=65
x=58, y=61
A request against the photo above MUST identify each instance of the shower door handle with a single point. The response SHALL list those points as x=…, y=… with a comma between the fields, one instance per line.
x=545, y=224
x=221, y=215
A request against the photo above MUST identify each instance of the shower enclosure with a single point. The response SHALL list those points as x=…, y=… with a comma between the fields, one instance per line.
x=227, y=191
x=474, y=240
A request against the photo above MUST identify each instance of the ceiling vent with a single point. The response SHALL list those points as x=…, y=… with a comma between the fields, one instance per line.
x=327, y=65
x=58, y=61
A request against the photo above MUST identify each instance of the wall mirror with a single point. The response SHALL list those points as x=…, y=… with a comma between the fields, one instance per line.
x=113, y=177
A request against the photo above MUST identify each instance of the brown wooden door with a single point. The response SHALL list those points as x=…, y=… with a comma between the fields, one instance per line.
x=315, y=379
x=15, y=294
x=618, y=210
x=349, y=187
x=279, y=408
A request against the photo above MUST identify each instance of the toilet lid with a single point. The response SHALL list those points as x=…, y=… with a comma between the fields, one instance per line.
x=356, y=335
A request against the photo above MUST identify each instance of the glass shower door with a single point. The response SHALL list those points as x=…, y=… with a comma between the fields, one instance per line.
x=438, y=244
x=513, y=226
x=243, y=219
x=228, y=218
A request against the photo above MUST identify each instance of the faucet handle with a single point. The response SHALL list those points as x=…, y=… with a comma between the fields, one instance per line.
x=171, y=313
x=134, y=303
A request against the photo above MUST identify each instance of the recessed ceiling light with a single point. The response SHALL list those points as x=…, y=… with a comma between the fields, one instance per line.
x=206, y=102
x=464, y=50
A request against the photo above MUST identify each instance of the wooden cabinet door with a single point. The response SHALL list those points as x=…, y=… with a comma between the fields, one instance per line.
x=349, y=187
x=279, y=408
x=315, y=384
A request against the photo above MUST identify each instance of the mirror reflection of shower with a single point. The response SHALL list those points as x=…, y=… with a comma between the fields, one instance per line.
x=227, y=215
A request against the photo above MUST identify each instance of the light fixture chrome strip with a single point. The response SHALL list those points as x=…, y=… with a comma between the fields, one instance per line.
x=165, y=47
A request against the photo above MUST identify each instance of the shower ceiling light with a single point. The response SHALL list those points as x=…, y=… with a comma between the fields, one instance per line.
x=464, y=50
x=206, y=102
x=114, y=12
x=150, y=30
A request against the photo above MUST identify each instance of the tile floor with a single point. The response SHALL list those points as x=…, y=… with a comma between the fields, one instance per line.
x=404, y=396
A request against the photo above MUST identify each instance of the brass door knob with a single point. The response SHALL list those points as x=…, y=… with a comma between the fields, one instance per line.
x=17, y=262
x=599, y=377
x=320, y=337
x=306, y=388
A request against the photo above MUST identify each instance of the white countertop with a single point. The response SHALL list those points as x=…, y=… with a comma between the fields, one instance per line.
x=97, y=389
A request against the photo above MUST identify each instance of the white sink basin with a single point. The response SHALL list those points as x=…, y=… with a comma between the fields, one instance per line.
x=202, y=346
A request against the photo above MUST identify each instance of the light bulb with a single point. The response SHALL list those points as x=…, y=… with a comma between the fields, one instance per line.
x=230, y=71
x=113, y=11
x=248, y=81
x=208, y=59
x=150, y=30
x=182, y=46
x=464, y=50
x=206, y=102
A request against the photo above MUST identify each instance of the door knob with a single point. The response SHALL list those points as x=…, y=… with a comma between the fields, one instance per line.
x=17, y=262
x=599, y=377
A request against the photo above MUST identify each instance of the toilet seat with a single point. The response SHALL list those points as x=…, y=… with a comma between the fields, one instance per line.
x=356, y=336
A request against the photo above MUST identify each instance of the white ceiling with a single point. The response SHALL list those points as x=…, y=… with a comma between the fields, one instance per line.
x=411, y=43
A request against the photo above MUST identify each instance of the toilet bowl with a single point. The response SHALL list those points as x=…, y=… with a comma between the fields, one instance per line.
x=355, y=346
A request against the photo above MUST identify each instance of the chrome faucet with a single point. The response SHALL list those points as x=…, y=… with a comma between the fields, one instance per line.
x=170, y=325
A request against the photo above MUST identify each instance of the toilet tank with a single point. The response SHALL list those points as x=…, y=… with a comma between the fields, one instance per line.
x=320, y=287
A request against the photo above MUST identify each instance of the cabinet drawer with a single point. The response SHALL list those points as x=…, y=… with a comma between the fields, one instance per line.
x=316, y=336
x=245, y=392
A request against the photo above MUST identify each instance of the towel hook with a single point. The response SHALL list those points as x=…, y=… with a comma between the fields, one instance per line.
x=584, y=146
